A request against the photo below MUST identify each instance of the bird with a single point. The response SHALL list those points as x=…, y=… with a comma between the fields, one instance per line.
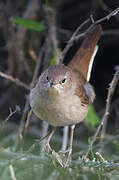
x=63, y=93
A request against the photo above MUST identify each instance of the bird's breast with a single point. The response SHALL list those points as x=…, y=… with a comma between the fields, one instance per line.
x=58, y=110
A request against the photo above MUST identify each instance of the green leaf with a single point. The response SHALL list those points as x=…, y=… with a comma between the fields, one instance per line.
x=92, y=116
x=30, y=24
x=53, y=61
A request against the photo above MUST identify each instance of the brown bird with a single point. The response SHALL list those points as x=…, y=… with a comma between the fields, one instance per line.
x=63, y=94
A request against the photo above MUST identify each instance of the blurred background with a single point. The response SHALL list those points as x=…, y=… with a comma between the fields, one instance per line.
x=33, y=34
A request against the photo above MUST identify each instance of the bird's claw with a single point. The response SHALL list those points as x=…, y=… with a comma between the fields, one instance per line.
x=69, y=151
x=69, y=157
x=48, y=148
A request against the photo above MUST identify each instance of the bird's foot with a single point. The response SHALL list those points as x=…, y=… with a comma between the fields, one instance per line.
x=65, y=151
x=69, y=151
x=48, y=147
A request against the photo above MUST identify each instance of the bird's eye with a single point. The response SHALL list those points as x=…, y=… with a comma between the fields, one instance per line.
x=47, y=78
x=63, y=81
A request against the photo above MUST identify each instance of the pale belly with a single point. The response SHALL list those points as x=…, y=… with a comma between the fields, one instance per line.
x=58, y=111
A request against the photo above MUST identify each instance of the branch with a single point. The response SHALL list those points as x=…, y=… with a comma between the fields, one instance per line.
x=109, y=97
x=51, y=21
x=38, y=64
x=75, y=37
x=113, y=13
x=27, y=105
x=11, y=114
x=16, y=51
x=106, y=114
x=12, y=172
x=14, y=80
x=69, y=44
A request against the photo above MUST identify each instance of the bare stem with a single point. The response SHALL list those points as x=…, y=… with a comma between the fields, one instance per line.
x=14, y=80
x=17, y=109
x=27, y=105
x=113, y=13
x=51, y=20
x=106, y=114
x=109, y=97
x=69, y=44
x=76, y=37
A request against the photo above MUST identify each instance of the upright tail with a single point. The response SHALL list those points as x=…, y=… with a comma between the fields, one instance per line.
x=83, y=59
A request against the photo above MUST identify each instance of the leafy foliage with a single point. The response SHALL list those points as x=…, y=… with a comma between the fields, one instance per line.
x=30, y=24
x=92, y=116
x=22, y=161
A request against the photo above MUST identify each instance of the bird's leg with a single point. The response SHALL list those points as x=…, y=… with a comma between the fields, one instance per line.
x=47, y=147
x=70, y=147
x=71, y=139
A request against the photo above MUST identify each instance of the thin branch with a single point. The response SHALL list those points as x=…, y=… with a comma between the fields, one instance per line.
x=76, y=37
x=17, y=109
x=12, y=173
x=109, y=97
x=24, y=115
x=51, y=20
x=27, y=105
x=113, y=13
x=111, y=32
x=14, y=80
x=106, y=114
x=69, y=44
x=16, y=50
x=37, y=68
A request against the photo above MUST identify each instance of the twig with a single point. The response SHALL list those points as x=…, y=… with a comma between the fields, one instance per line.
x=51, y=20
x=105, y=7
x=27, y=105
x=109, y=97
x=109, y=32
x=67, y=47
x=16, y=51
x=17, y=109
x=12, y=172
x=36, y=71
x=113, y=13
x=106, y=114
x=24, y=115
x=14, y=80
x=27, y=121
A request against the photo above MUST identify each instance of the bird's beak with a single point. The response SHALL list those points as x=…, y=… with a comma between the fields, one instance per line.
x=50, y=84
